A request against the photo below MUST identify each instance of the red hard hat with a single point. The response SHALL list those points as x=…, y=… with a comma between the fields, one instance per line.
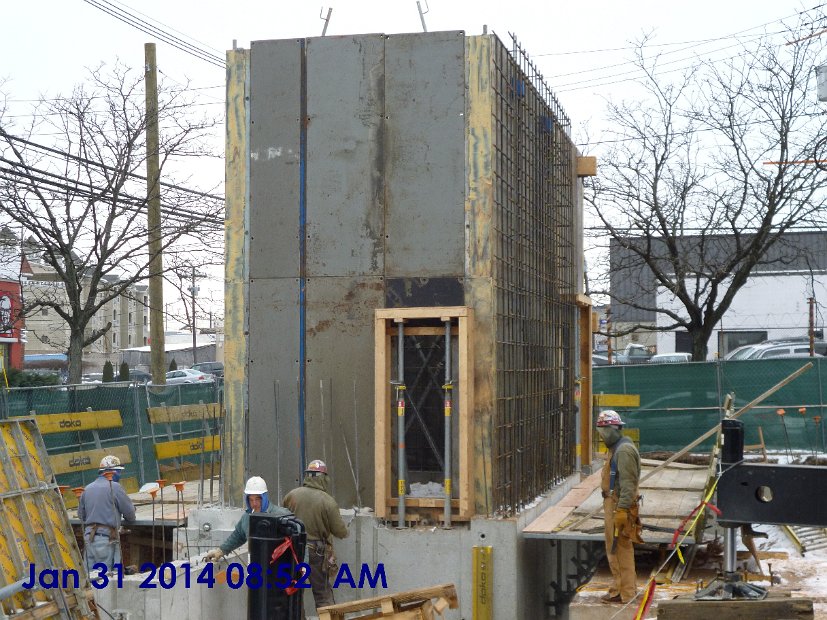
x=609, y=417
x=316, y=467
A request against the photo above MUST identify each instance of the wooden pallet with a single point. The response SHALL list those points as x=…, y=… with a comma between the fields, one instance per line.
x=408, y=605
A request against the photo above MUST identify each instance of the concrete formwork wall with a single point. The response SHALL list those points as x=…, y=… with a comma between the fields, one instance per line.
x=356, y=202
x=380, y=175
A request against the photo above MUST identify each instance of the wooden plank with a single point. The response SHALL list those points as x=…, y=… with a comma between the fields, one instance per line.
x=658, y=463
x=187, y=447
x=549, y=520
x=586, y=166
x=184, y=413
x=381, y=416
x=427, y=331
x=87, y=459
x=447, y=591
x=466, y=409
x=584, y=400
x=421, y=313
x=735, y=609
x=582, y=491
x=80, y=421
x=617, y=400
x=423, y=502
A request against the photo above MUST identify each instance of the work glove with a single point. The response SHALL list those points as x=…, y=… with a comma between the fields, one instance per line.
x=213, y=555
x=621, y=520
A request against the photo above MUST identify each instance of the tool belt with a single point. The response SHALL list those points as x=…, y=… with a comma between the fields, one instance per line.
x=106, y=531
x=324, y=549
x=633, y=528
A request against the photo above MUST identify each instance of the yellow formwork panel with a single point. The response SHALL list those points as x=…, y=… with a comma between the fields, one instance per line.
x=186, y=447
x=184, y=413
x=87, y=459
x=80, y=421
x=34, y=526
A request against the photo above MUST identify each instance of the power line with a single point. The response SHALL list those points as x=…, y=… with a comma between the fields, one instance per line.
x=103, y=166
x=87, y=190
x=691, y=44
x=147, y=28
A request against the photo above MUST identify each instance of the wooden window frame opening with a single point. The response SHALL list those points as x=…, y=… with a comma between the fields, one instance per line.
x=385, y=322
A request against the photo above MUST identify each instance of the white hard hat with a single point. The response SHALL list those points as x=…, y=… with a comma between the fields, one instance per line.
x=255, y=486
x=110, y=461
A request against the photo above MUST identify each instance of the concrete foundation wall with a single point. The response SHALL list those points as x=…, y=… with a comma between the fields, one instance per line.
x=412, y=558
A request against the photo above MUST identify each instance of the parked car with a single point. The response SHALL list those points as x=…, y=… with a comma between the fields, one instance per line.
x=213, y=368
x=742, y=352
x=599, y=360
x=633, y=354
x=187, y=375
x=141, y=376
x=764, y=351
x=92, y=377
x=670, y=358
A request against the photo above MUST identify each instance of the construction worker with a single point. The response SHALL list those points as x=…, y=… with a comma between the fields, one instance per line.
x=316, y=508
x=256, y=499
x=100, y=508
x=619, y=486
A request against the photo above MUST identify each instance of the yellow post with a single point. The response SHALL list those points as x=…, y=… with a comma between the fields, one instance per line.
x=483, y=583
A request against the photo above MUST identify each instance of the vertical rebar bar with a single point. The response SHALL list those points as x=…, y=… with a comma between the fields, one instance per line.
x=400, y=424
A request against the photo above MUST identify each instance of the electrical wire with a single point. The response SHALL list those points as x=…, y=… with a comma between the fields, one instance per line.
x=87, y=190
x=147, y=28
x=103, y=166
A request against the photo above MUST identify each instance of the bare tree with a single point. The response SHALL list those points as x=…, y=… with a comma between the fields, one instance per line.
x=706, y=178
x=73, y=181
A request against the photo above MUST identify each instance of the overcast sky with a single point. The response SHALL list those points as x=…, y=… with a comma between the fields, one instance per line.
x=46, y=45
x=582, y=49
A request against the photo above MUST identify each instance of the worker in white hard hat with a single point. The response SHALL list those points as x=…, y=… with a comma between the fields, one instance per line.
x=313, y=504
x=619, y=487
x=100, y=508
x=256, y=499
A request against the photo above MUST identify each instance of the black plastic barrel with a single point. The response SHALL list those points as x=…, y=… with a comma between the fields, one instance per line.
x=272, y=600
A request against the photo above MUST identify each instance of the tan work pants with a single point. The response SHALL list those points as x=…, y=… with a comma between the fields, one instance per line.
x=622, y=561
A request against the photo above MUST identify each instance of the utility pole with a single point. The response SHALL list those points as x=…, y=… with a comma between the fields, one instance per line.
x=153, y=221
x=811, y=331
x=194, y=292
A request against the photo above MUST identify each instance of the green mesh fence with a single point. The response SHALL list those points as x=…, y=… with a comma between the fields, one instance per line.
x=680, y=402
x=136, y=432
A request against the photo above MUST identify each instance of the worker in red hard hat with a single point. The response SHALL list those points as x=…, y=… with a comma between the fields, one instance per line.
x=314, y=506
x=619, y=487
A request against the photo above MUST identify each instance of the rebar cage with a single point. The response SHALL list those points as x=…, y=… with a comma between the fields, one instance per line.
x=534, y=272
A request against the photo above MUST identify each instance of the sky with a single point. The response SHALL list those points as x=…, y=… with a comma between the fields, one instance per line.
x=582, y=49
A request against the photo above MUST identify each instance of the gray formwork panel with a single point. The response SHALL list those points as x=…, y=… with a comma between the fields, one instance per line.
x=340, y=319
x=275, y=158
x=272, y=369
x=425, y=154
x=345, y=192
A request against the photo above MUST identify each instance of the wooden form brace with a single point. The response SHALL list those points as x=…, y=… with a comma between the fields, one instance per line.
x=384, y=323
